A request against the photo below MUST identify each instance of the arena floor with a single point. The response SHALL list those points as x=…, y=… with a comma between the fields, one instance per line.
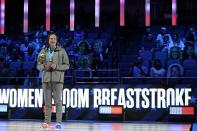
x=92, y=126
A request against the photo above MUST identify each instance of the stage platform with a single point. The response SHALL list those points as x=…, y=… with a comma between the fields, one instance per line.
x=23, y=125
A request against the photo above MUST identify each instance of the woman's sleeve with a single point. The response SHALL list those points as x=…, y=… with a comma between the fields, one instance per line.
x=65, y=62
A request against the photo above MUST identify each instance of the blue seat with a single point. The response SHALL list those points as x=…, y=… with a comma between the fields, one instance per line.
x=105, y=35
x=90, y=41
x=146, y=55
x=190, y=64
x=124, y=65
x=82, y=73
x=129, y=58
x=28, y=65
x=105, y=42
x=1, y=65
x=170, y=62
x=69, y=72
x=75, y=42
x=191, y=73
x=15, y=65
x=162, y=56
x=92, y=35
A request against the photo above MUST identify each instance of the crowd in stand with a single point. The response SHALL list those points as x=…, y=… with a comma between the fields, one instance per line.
x=164, y=52
x=167, y=53
x=86, y=49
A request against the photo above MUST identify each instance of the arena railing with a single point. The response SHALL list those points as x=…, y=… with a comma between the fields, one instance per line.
x=103, y=76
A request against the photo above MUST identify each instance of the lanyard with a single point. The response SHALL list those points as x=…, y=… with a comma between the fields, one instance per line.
x=50, y=54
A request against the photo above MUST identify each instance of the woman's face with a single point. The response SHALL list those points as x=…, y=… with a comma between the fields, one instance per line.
x=190, y=51
x=157, y=64
x=175, y=72
x=82, y=47
x=166, y=39
x=175, y=38
x=97, y=47
x=150, y=36
x=175, y=53
x=52, y=40
x=163, y=30
x=75, y=48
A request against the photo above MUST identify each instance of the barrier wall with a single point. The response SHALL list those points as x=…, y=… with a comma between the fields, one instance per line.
x=141, y=102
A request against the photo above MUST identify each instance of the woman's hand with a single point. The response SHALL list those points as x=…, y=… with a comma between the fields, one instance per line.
x=53, y=66
x=47, y=65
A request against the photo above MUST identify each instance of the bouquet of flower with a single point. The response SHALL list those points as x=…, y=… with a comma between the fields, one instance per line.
x=42, y=57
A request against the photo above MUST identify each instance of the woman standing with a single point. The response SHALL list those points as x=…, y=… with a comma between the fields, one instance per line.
x=52, y=61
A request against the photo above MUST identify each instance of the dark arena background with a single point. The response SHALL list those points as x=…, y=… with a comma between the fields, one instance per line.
x=133, y=64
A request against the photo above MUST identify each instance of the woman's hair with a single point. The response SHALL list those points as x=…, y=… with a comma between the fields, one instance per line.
x=178, y=49
x=86, y=44
x=177, y=37
x=47, y=40
x=155, y=61
x=139, y=60
x=99, y=44
x=185, y=55
x=175, y=65
x=83, y=42
x=169, y=37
